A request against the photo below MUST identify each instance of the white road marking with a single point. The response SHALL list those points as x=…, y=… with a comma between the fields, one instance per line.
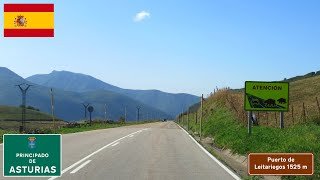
x=81, y=166
x=212, y=157
x=90, y=155
x=115, y=144
x=131, y=135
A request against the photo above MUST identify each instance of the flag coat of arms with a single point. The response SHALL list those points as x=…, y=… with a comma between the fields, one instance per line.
x=28, y=20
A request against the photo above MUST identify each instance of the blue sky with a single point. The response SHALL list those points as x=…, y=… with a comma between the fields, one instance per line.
x=182, y=46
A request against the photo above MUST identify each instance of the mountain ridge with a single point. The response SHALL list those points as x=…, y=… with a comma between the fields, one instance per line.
x=67, y=103
x=171, y=103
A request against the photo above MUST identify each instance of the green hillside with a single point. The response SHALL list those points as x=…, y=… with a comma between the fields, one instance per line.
x=311, y=74
x=302, y=92
x=225, y=120
x=10, y=119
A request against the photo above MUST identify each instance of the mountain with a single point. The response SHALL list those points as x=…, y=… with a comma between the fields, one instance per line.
x=170, y=103
x=71, y=82
x=68, y=104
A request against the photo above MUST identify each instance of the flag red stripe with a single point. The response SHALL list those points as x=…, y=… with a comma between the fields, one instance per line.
x=28, y=8
x=28, y=32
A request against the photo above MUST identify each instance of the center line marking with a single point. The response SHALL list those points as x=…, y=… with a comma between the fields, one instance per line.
x=87, y=157
x=81, y=166
x=131, y=135
x=115, y=144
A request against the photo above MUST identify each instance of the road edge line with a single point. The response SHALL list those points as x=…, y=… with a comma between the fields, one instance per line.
x=212, y=157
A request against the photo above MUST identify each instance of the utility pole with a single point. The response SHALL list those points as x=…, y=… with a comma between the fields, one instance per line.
x=23, y=113
x=188, y=120
x=201, y=114
x=125, y=113
x=105, y=112
x=85, y=105
x=138, y=113
x=52, y=110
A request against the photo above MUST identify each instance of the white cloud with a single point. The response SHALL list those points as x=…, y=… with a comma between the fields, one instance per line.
x=141, y=16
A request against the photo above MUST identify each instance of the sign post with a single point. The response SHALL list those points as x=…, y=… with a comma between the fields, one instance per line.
x=30, y=155
x=266, y=96
x=90, y=109
x=281, y=120
x=249, y=122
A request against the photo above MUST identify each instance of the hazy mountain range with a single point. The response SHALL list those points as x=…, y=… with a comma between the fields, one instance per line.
x=72, y=89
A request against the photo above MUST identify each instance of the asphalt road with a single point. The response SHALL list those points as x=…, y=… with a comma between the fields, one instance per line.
x=157, y=151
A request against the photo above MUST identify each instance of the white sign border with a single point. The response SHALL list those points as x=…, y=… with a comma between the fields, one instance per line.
x=301, y=154
x=32, y=135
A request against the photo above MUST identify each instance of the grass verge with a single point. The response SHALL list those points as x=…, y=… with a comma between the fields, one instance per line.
x=81, y=128
x=227, y=132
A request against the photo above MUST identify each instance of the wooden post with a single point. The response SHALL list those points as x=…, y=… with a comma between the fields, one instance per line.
x=267, y=118
x=188, y=120
x=196, y=117
x=182, y=118
x=275, y=116
x=292, y=116
x=201, y=113
x=304, y=113
x=318, y=106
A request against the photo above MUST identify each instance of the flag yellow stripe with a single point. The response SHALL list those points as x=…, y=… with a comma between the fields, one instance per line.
x=35, y=20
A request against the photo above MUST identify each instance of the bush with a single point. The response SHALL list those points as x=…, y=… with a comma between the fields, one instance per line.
x=121, y=120
x=317, y=121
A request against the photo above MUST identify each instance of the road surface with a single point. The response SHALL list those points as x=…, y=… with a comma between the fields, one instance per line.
x=156, y=151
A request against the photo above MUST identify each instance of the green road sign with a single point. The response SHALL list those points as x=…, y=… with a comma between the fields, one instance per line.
x=30, y=155
x=266, y=96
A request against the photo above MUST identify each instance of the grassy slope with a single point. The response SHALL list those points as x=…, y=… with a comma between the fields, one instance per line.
x=10, y=118
x=224, y=120
x=14, y=113
x=301, y=91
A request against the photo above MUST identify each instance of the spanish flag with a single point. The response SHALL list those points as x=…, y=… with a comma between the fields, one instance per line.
x=28, y=20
